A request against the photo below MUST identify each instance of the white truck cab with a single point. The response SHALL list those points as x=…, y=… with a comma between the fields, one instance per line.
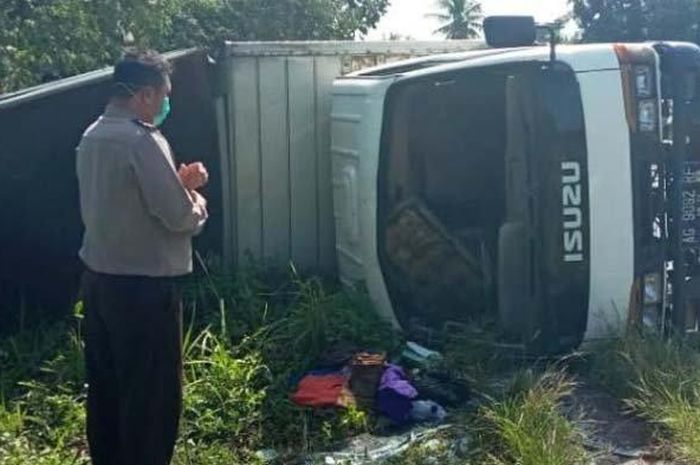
x=553, y=195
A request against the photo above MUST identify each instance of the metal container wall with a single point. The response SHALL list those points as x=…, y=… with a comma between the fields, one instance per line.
x=41, y=230
x=276, y=156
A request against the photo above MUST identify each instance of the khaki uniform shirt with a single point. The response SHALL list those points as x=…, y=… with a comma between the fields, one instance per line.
x=139, y=219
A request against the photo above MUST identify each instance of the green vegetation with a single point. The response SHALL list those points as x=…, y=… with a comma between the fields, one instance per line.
x=41, y=398
x=528, y=428
x=524, y=426
x=45, y=40
x=247, y=337
x=660, y=381
x=637, y=20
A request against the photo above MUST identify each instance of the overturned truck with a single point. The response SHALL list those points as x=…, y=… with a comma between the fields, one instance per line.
x=550, y=192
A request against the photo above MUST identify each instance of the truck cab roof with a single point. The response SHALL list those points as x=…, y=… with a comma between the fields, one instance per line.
x=588, y=57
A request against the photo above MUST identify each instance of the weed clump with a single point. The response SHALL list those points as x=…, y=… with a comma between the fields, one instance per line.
x=660, y=381
x=528, y=427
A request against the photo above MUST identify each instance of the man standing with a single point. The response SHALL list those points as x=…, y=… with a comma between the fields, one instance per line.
x=140, y=214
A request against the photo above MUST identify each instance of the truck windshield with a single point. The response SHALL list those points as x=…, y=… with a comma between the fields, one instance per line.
x=458, y=165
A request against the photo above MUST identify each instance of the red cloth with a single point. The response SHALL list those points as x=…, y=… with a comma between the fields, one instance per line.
x=323, y=391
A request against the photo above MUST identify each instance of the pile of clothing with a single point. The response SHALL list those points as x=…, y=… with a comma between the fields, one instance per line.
x=370, y=383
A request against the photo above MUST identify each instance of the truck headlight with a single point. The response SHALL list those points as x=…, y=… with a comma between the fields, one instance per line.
x=652, y=289
x=644, y=81
x=647, y=115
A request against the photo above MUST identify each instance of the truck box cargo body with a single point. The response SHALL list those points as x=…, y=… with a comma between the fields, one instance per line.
x=259, y=117
x=555, y=199
x=274, y=125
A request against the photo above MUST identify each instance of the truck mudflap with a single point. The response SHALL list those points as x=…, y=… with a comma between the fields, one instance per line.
x=680, y=87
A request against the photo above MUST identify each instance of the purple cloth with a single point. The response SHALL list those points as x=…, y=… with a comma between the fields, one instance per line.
x=395, y=394
x=395, y=378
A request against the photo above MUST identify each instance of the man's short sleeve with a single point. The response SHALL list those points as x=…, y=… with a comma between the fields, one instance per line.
x=163, y=193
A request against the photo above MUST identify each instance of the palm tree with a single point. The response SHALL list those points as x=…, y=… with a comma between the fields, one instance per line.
x=460, y=19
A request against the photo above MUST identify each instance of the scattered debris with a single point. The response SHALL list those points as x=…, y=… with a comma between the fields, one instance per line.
x=420, y=354
x=427, y=410
x=367, y=449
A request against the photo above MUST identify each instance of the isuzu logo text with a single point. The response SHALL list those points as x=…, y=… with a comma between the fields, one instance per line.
x=572, y=211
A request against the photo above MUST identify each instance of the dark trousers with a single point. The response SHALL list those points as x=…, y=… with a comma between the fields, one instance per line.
x=133, y=347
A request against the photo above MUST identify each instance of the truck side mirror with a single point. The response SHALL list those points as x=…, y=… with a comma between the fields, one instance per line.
x=510, y=31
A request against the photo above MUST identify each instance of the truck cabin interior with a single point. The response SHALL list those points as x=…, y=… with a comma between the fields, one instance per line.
x=456, y=211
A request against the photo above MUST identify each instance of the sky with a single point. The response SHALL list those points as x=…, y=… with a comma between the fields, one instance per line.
x=407, y=17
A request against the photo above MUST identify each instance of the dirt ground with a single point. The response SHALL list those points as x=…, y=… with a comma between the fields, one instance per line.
x=615, y=436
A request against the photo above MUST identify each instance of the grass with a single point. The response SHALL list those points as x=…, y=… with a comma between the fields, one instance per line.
x=41, y=412
x=224, y=392
x=528, y=427
x=217, y=453
x=248, y=336
x=525, y=426
x=660, y=381
x=264, y=329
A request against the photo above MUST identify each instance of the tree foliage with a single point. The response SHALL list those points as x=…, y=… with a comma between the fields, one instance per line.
x=46, y=39
x=637, y=20
x=459, y=19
